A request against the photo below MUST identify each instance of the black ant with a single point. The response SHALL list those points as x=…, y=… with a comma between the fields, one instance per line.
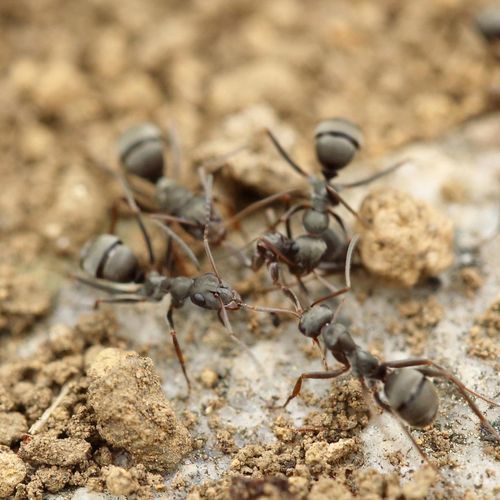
x=408, y=395
x=336, y=142
x=315, y=317
x=141, y=153
x=110, y=263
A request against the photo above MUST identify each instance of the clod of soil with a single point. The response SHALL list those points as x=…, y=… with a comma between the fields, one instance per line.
x=12, y=427
x=132, y=411
x=49, y=450
x=12, y=470
x=405, y=239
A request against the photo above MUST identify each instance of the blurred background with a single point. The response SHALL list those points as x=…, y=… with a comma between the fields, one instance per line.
x=74, y=74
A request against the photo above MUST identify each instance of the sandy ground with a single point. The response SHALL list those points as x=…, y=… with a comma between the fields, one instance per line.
x=73, y=75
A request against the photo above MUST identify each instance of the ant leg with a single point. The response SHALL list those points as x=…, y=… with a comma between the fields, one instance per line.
x=322, y=352
x=371, y=178
x=171, y=234
x=405, y=429
x=336, y=196
x=348, y=259
x=324, y=282
x=224, y=318
x=339, y=221
x=314, y=375
x=120, y=299
x=107, y=286
x=439, y=371
x=137, y=214
x=283, y=196
x=175, y=148
x=177, y=347
x=287, y=217
x=274, y=271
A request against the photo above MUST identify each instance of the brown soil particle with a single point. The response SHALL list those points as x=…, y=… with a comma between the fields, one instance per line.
x=48, y=450
x=12, y=471
x=54, y=479
x=420, y=318
x=484, y=334
x=132, y=411
x=12, y=427
x=23, y=300
x=405, y=239
x=119, y=481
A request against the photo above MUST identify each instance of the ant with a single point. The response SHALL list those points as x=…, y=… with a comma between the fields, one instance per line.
x=110, y=264
x=314, y=318
x=337, y=140
x=408, y=393
x=141, y=153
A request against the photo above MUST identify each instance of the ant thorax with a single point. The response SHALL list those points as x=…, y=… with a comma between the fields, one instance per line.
x=171, y=196
x=156, y=286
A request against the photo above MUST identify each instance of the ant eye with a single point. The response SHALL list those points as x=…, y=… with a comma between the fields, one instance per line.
x=198, y=299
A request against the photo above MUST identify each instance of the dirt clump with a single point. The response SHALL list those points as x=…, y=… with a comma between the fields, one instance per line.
x=23, y=300
x=48, y=450
x=404, y=239
x=258, y=166
x=12, y=427
x=13, y=471
x=132, y=411
x=483, y=336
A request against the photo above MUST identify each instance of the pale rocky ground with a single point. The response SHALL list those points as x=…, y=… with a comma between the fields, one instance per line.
x=468, y=160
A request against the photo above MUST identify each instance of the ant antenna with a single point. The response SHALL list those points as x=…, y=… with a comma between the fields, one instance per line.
x=207, y=182
x=174, y=143
x=348, y=259
x=341, y=200
x=285, y=155
x=137, y=214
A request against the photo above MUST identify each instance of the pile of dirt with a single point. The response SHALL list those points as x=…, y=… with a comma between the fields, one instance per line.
x=403, y=240
x=68, y=412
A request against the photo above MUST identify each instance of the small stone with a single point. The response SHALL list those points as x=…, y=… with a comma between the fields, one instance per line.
x=209, y=378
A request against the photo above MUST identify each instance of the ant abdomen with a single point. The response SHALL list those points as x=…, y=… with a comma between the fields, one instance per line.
x=412, y=396
x=106, y=257
x=337, y=141
x=308, y=251
x=140, y=149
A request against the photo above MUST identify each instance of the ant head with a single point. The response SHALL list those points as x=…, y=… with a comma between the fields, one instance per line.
x=208, y=292
x=106, y=257
x=140, y=149
x=314, y=319
x=337, y=141
x=412, y=396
